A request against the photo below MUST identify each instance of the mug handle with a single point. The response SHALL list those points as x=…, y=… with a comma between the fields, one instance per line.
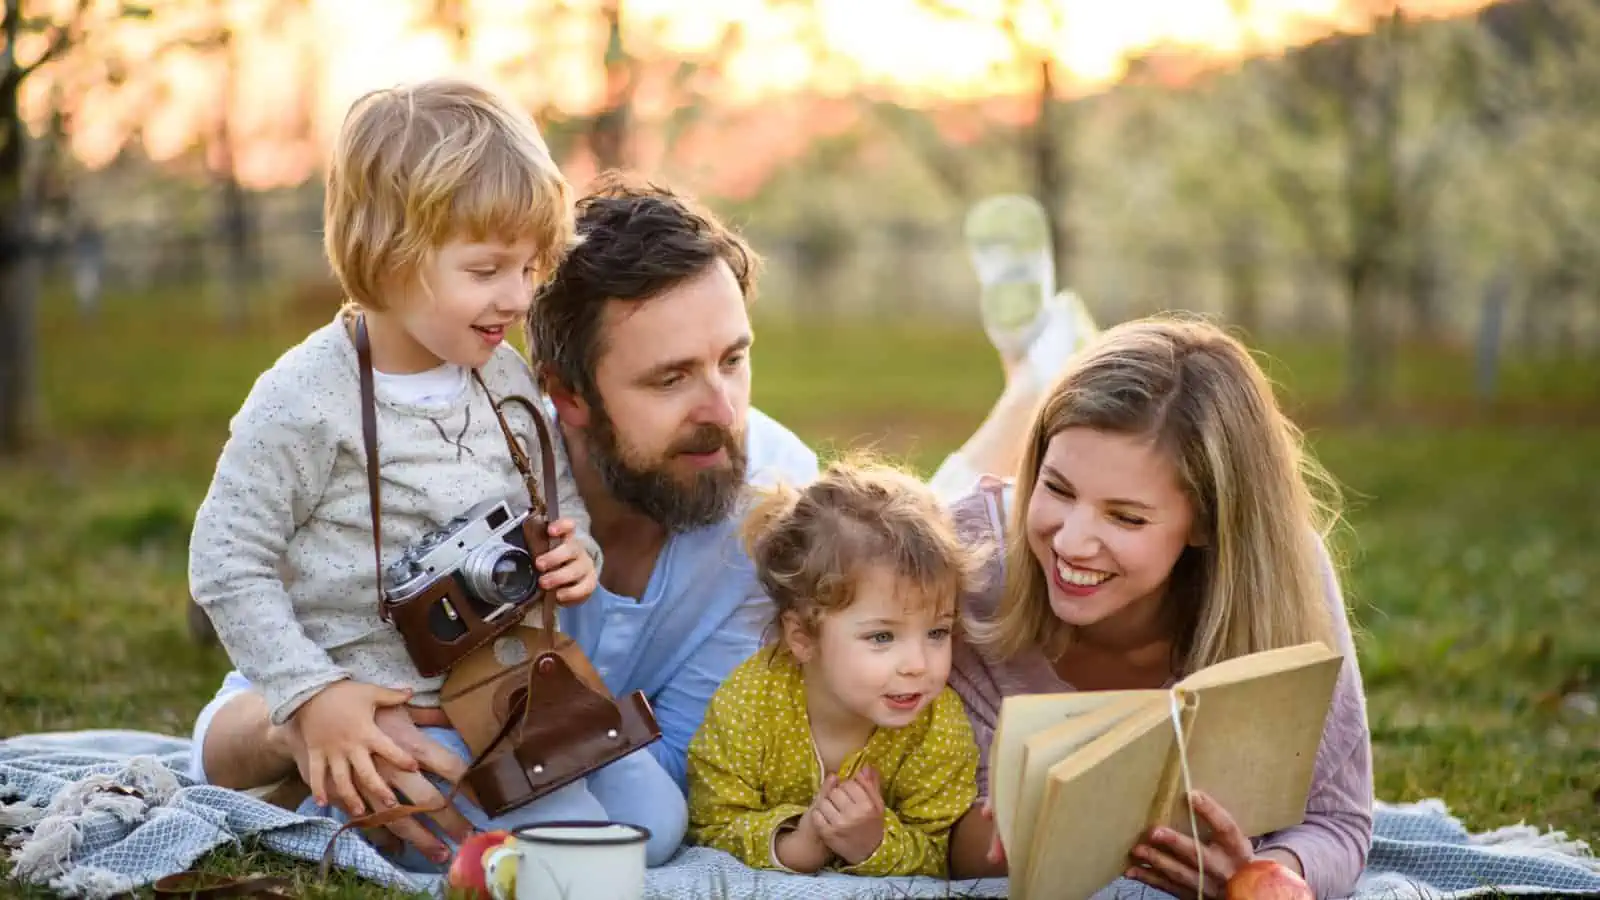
x=500, y=872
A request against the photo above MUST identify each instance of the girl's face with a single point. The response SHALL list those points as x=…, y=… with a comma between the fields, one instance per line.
x=883, y=658
x=1107, y=520
x=465, y=300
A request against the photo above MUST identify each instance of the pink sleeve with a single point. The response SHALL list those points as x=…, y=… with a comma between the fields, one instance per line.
x=971, y=675
x=1333, y=841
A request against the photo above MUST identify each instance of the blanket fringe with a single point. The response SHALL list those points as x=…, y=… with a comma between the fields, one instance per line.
x=126, y=796
x=1523, y=838
x=88, y=881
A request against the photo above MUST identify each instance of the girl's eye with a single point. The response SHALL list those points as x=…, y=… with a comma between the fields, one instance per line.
x=1131, y=521
x=939, y=634
x=483, y=273
x=880, y=637
x=1057, y=489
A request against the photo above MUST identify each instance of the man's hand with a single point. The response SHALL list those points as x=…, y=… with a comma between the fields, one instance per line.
x=568, y=569
x=849, y=815
x=411, y=786
x=339, y=728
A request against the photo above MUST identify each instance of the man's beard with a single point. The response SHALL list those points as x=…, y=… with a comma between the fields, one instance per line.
x=650, y=487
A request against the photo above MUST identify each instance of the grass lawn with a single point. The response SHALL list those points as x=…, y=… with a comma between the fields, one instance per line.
x=1472, y=575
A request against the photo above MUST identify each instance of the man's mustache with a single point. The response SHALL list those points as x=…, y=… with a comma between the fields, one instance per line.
x=705, y=439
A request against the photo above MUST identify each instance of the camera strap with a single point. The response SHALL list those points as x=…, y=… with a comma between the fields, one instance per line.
x=369, y=437
x=542, y=497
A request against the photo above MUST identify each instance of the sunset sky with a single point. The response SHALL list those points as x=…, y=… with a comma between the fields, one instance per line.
x=345, y=47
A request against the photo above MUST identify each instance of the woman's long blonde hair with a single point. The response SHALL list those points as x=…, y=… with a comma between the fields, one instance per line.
x=1193, y=390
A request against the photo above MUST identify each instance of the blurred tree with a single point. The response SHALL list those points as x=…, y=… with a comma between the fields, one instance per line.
x=1537, y=104
x=71, y=44
x=1355, y=133
x=1033, y=30
x=19, y=259
x=241, y=260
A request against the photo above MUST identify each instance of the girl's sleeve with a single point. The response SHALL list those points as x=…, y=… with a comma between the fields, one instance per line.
x=935, y=786
x=726, y=760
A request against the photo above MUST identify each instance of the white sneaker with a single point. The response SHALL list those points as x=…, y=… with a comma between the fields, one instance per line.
x=1067, y=327
x=1008, y=243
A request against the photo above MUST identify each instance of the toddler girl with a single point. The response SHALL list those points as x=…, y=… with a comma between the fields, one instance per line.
x=839, y=745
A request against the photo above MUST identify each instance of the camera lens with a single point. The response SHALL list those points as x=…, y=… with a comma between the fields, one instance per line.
x=499, y=574
x=512, y=577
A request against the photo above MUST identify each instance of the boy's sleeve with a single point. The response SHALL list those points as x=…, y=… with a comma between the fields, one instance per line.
x=273, y=467
x=726, y=804
x=935, y=786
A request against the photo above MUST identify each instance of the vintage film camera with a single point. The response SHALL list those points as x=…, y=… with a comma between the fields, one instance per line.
x=464, y=583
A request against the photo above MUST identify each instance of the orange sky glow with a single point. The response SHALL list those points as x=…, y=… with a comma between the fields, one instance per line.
x=333, y=50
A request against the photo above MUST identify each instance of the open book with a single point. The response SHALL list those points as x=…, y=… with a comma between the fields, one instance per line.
x=1076, y=779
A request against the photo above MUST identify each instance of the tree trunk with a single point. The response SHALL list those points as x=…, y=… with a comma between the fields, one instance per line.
x=608, y=133
x=1052, y=181
x=1241, y=265
x=19, y=273
x=19, y=296
x=1368, y=354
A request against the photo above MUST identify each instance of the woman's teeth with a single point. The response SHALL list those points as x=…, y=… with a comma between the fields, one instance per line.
x=1080, y=577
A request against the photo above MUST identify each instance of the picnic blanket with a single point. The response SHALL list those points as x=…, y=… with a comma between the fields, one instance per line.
x=97, y=813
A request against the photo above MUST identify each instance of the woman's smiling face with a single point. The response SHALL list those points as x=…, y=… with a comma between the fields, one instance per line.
x=1107, y=520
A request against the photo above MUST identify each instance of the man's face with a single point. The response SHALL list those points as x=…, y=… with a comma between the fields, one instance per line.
x=673, y=377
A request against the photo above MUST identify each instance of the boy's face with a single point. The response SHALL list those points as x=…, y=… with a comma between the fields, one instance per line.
x=464, y=300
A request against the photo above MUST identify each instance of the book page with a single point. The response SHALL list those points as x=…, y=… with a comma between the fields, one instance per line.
x=1021, y=717
x=1095, y=807
x=1252, y=733
x=1043, y=751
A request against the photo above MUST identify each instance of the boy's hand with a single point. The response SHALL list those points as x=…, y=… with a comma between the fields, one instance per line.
x=850, y=815
x=568, y=569
x=340, y=730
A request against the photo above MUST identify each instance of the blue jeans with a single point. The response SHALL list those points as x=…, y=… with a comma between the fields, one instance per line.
x=634, y=789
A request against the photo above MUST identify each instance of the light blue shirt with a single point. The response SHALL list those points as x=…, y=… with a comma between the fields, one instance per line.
x=702, y=613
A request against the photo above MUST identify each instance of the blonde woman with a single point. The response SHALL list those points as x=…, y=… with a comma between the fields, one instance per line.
x=1164, y=520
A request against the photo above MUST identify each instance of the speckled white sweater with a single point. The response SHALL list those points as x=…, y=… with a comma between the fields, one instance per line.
x=281, y=554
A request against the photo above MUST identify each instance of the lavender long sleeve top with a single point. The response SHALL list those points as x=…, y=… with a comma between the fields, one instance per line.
x=1333, y=841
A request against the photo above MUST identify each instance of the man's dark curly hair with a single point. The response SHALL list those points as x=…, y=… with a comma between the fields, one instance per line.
x=635, y=240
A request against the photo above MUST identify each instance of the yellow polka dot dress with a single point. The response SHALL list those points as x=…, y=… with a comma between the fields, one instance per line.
x=753, y=768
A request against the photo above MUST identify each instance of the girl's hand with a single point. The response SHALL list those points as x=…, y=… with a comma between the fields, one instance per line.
x=340, y=730
x=568, y=569
x=1171, y=862
x=849, y=816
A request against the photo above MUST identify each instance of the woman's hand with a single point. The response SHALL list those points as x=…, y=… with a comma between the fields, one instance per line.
x=1171, y=862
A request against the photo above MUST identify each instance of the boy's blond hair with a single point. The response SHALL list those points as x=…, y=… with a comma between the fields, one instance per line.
x=419, y=165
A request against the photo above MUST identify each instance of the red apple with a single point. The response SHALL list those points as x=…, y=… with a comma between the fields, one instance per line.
x=1265, y=879
x=466, y=869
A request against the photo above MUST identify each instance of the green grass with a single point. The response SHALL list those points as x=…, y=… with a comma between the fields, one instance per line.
x=1472, y=573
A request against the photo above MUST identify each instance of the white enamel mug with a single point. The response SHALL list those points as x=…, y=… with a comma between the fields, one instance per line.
x=562, y=860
